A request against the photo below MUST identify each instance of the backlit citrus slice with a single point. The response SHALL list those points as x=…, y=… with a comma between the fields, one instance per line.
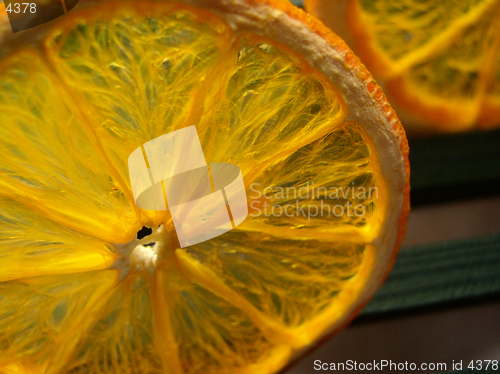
x=440, y=61
x=85, y=288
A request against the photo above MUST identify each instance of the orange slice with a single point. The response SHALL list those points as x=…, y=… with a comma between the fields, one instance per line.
x=83, y=289
x=440, y=62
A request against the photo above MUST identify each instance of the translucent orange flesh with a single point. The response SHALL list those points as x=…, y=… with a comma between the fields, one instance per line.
x=104, y=83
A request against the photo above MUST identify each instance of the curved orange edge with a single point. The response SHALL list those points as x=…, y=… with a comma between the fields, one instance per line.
x=440, y=115
x=354, y=63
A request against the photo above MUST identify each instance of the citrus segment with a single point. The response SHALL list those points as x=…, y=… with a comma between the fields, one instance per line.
x=283, y=293
x=30, y=241
x=332, y=188
x=134, y=70
x=209, y=333
x=120, y=337
x=44, y=317
x=49, y=162
x=296, y=105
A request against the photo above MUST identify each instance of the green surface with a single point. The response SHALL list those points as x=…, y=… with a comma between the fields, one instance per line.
x=455, y=159
x=439, y=274
x=455, y=167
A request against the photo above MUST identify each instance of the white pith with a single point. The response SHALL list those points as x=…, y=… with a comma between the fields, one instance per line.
x=137, y=256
